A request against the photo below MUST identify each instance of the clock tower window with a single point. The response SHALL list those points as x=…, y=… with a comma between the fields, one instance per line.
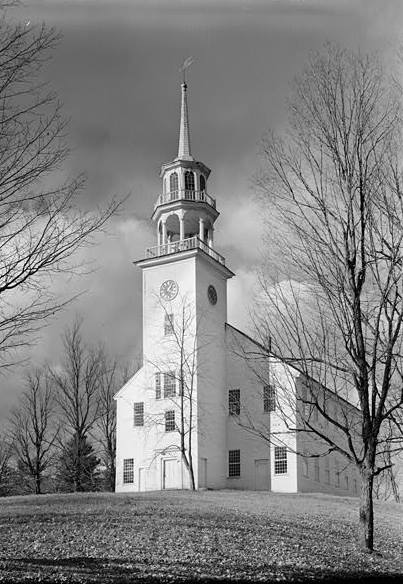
x=202, y=183
x=189, y=181
x=168, y=324
x=173, y=182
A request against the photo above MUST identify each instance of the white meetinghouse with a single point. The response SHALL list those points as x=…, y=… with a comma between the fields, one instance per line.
x=210, y=407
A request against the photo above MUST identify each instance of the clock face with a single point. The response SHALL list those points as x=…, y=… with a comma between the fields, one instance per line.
x=212, y=295
x=169, y=289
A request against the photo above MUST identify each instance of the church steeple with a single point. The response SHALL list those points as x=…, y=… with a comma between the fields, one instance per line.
x=184, y=152
x=184, y=213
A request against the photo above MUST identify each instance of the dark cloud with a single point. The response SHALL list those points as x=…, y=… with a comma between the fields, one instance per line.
x=116, y=71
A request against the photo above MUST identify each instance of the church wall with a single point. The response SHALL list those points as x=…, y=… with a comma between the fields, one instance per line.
x=283, y=426
x=249, y=370
x=148, y=445
x=254, y=452
x=332, y=473
x=211, y=372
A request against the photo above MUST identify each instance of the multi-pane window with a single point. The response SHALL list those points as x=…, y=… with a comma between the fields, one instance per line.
x=234, y=402
x=173, y=181
x=337, y=473
x=158, y=385
x=305, y=465
x=269, y=398
x=327, y=470
x=189, y=181
x=202, y=183
x=138, y=414
x=304, y=405
x=170, y=421
x=234, y=463
x=317, y=470
x=128, y=470
x=169, y=384
x=168, y=324
x=280, y=460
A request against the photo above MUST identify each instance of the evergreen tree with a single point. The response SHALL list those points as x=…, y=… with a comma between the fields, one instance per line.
x=78, y=466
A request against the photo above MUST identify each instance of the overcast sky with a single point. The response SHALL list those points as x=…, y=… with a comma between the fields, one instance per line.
x=116, y=72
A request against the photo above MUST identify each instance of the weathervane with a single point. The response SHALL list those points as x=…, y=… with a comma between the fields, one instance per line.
x=186, y=64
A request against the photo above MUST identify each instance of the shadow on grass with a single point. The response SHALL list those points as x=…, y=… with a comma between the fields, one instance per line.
x=89, y=570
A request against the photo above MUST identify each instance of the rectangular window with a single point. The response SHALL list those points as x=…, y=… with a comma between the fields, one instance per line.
x=280, y=460
x=305, y=466
x=168, y=324
x=269, y=398
x=128, y=471
x=304, y=405
x=327, y=470
x=337, y=473
x=169, y=384
x=234, y=402
x=234, y=463
x=317, y=470
x=355, y=486
x=138, y=414
x=346, y=482
x=170, y=421
x=158, y=385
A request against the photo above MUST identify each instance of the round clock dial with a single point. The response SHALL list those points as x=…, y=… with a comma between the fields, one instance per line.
x=212, y=295
x=169, y=289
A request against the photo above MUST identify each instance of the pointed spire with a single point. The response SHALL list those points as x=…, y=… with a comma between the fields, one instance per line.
x=184, y=152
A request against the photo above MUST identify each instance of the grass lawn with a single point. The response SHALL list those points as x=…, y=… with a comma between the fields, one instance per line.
x=211, y=535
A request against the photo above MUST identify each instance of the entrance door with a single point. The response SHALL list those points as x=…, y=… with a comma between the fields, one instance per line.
x=262, y=476
x=141, y=479
x=170, y=479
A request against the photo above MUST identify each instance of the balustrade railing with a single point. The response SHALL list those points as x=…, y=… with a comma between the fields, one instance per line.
x=187, y=195
x=183, y=245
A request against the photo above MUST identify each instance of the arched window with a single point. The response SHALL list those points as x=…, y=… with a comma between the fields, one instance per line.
x=173, y=182
x=202, y=183
x=189, y=181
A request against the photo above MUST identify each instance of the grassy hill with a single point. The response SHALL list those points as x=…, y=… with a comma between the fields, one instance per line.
x=225, y=535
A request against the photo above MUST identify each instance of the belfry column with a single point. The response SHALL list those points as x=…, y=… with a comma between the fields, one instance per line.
x=181, y=216
x=201, y=228
x=211, y=236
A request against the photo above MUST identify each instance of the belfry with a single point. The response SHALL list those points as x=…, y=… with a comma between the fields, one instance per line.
x=180, y=418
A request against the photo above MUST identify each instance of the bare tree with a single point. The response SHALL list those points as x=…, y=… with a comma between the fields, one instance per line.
x=6, y=449
x=41, y=223
x=177, y=366
x=333, y=306
x=77, y=385
x=112, y=378
x=34, y=430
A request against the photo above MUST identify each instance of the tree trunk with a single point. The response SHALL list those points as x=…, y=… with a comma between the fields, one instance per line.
x=192, y=476
x=367, y=511
x=38, y=485
x=112, y=476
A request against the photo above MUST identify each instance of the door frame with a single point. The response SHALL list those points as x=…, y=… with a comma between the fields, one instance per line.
x=267, y=462
x=163, y=474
